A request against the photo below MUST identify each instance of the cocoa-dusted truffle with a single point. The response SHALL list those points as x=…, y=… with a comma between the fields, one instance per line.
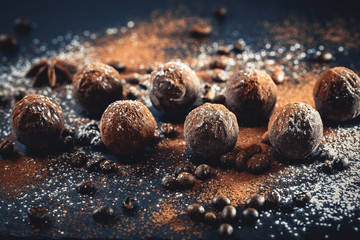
x=37, y=121
x=174, y=88
x=337, y=94
x=296, y=130
x=251, y=95
x=127, y=126
x=96, y=85
x=211, y=130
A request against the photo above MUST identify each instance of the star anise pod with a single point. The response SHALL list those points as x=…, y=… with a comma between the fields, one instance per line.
x=51, y=71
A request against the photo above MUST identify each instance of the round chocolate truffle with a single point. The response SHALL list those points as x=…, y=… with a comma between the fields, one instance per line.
x=296, y=130
x=174, y=88
x=127, y=126
x=211, y=130
x=37, y=121
x=251, y=95
x=337, y=94
x=96, y=85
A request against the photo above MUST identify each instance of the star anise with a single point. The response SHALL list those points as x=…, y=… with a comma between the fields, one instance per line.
x=51, y=71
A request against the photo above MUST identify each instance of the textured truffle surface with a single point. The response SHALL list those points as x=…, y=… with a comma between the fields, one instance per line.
x=251, y=95
x=96, y=85
x=337, y=94
x=211, y=130
x=296, y=130
x=127, y=126
x=174, y=88
x=37, y=120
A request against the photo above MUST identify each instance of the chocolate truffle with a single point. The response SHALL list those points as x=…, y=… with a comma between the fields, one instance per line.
x=211, y=130
x=174, y=88
x=127, y=126
x=251, y=95
x=337, y=94
x=96, y=85
x=296, y=130
x=37, y=121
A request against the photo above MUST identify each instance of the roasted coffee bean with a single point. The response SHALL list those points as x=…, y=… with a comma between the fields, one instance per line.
x=203, y=171
x=169, y=182
x=228, y=214
x=249, y=215
x=256, y=201
x=223, y=50
x=220, y=202
x=200, y=30
x=93, y=165
x=39, y=216
x=79, y=160
x=196, y=211
x=6, y=148
x=220, y=12
x=167, y=129
x=327, y=167
x=184, y=168
x=258, y=163
x=119, y=66
x=108, y=166
x=323, y=57
x=340, y=164
x=8, y=43
x=211, y=218
x=228, y=159
x=104, y=214
x=22, y=25
x=239, y=46
x=300, y=199
x=243, y=156
x=185, y=180
x=225, y=230
x=129, y=204
x=86, y=188
x=272, y=198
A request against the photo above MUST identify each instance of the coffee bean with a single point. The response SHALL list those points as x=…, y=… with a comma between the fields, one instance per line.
x=256, y=201
x=323, y=57
x=169, y=182
x=94, y=164
x=220, y=202
x=225, y=230
x=228, y=214
x=223, y=50
x=108, y=166
x=119, y=66
x=327, y=167
x=167, y=129
x=22, y=25
x=6, y=148
x=300, y=199
x=104, y=214
x=203, y=171
x=258, y=163
x=200, y=30
x=79, y=160
x=185, y=180
x=184, y=168
x=39, y=216
x=86, y=188
x=220, y=12
x=243, y=156
x=340, y=164
x=196, y=211
x=211, y=218
x=8, y=43
x=228, y=159
x=129, y=204
x=239, y=46
x=249, y=215
x=272, y=198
